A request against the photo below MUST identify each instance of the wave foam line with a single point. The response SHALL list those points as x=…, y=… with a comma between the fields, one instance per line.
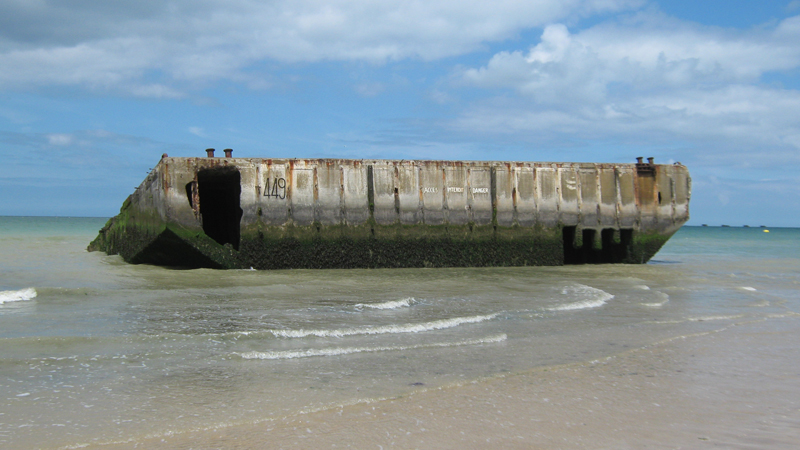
x=392, y=304
x=385, y=329
x=664, y=300
x=598, y=297
x=337, y=351
x=17, y=296
x=708, y=318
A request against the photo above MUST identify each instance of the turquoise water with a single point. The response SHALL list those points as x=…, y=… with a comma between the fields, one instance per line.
x=94, y=350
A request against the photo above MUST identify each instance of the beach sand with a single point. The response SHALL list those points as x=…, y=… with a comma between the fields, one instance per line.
x=736, y=387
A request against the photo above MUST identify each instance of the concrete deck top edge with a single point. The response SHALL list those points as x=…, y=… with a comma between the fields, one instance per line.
x=412, y=161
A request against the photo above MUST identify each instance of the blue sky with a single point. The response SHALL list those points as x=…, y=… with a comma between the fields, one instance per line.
x=92, y=93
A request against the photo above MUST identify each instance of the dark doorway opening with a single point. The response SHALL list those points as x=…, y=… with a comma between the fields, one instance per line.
x=586, y=253
x=219, y=190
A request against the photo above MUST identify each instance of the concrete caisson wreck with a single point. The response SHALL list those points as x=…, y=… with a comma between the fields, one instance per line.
x=334, y=213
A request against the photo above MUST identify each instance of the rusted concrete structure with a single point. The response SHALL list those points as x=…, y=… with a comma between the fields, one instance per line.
x=332, y=213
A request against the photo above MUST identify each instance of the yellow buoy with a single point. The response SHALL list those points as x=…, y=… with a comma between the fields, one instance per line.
x=766, y=231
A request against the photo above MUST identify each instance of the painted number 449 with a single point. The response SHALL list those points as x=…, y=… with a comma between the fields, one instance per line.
x=275, y=188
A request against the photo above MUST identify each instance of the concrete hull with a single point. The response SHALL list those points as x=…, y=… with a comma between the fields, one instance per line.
x=325, y=213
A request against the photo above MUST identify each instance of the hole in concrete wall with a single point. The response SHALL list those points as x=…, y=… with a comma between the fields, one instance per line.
x=572, y=255
x=616, y=252
x=611, y=252
x=219, y=190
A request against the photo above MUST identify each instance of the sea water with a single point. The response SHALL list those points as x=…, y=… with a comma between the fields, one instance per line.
x=94, y=350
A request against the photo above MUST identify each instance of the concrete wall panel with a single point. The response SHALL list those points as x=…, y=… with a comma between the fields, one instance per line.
x=608, y=197
x=547, y=203
x=682, y=192
x=627, y=209
x=589, y=197
x=301, y=193
x=383, y=180
x=431, y=180
x=480, y=195
x=356, y=193
x=274, y=192
x=455, y=179
x=526, y=195
x=569, y=195
x=329, y=193
x=177, y=204
x=665, y=192
x=408, y=194
x=505, y=193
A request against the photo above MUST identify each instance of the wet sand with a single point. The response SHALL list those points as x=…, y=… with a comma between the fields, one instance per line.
x=734, y=388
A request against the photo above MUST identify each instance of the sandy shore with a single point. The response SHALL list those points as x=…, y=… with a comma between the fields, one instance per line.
x=738, y=387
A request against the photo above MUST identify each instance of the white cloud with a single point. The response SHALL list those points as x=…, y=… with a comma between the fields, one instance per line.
x=118, y=45
x=60, y=139
x=652, y=53
x=649, y=79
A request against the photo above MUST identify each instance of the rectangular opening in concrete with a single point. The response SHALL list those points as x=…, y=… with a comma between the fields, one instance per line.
x=219, y=192
x=583, y=250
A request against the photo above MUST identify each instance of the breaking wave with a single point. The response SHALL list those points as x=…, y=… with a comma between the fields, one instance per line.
x=590, y=298
x=384, y=329
x=336, y=351
x=16, y=296
x=392, y=304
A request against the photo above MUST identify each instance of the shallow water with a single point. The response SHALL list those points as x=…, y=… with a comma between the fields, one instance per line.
x=94, y=350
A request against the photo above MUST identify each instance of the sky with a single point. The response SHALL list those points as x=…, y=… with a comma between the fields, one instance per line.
x=93, y=92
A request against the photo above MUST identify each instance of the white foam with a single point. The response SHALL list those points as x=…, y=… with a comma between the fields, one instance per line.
x=384, y=329
x=392, y=304
x=664, y=297
x=653, y=305
x=748, y=288
x=336, y=351
x=591, y=298
x=708, y=318
x=16, y=296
